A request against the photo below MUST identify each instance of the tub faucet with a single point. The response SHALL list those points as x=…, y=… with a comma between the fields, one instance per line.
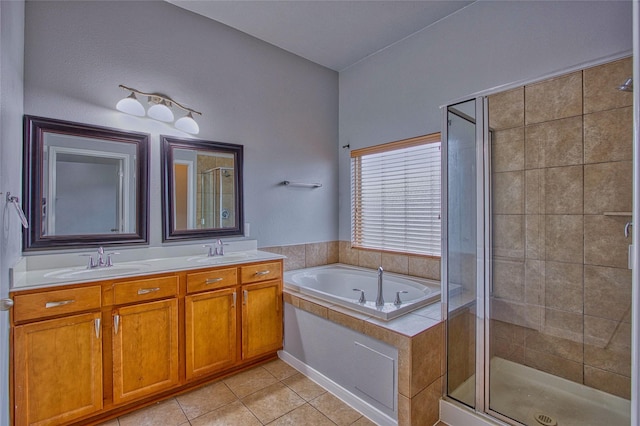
x=379, y=298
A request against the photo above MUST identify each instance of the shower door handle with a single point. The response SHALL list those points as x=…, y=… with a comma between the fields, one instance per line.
x=626, y=229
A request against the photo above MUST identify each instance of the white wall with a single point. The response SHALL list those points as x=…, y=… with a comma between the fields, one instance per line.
x=11, y=85
x=282, y=108
x=396, y=93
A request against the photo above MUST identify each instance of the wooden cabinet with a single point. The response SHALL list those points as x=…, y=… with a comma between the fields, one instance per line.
x=261, y=318
x=211, y=332
x=82, y=351
x=145, y=339
x=57, y=369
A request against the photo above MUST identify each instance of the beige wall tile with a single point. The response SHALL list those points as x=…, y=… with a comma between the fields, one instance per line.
x=424, y=267
x=427, y=350
x=555, y=365
x=507, y=150
x=347, y=255
x=388, y=336
x=535, y=236
x=534, y=281
x=295, y=257
x=564, y=238
x=508, y=331
x=404, y=410
x=608, y=135
x=554, y=99
x=563, y=324
x=557, y=346
x=607, y=292
x=346, y=319
x=507, y=341
x=563, y=190
x=554, y=143
x=508, y=192
x=615, y=360
x=600, y=83
x=534, y=191
x=397, y=263
x=461, y=333
x=607, y=334
x=604, y=241
x=508, y=236
x=276, y=250
x=316, y=254
x=506, y=109
x=333, y=252
x=608, y=382
x=425, y=407
x=517, y=313
x=508, y=350
x=564, y=288
x=608, y=187
x=314, y=308
x=508, y=279
x=369, y=259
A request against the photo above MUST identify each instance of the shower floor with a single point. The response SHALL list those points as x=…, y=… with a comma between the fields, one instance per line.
x=521, y=393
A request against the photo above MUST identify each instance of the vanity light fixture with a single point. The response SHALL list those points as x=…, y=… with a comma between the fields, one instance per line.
x=160, y=109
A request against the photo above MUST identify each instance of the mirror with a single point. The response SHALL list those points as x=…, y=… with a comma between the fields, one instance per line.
x=202, y=189
x=83, y=185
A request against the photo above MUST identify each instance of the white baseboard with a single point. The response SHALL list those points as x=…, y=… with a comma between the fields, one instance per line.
x=369, y=411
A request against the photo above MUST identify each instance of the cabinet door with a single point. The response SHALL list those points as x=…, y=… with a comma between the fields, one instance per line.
x=261, y=318
x=210, y=331
x=145, y=349
x=57, y=370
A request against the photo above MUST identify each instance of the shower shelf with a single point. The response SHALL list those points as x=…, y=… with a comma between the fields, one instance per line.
x=617, y=214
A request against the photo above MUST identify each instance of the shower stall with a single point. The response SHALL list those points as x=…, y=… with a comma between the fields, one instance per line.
x=538, y=205
x=216, y=198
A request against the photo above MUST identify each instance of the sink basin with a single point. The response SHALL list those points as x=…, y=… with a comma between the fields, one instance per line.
x=231, y=257
x=84, y=273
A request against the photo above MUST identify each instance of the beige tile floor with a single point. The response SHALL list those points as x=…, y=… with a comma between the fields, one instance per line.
x=272, y=394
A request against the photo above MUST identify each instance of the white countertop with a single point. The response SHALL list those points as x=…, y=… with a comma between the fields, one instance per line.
x=68, y=268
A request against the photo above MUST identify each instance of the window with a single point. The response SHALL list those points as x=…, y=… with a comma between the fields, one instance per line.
x=395, y=196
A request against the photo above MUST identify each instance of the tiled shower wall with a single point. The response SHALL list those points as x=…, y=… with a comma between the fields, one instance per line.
x=317, y=254
x=561, y=182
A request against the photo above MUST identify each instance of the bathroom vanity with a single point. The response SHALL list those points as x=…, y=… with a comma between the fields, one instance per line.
x=83, y=352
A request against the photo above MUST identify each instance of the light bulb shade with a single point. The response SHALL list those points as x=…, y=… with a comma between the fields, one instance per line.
x=160, y=112
x=131, y=105
x=188, y=125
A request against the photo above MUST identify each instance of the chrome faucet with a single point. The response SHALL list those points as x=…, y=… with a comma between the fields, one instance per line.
x=215, y=249
x=99, y=261
x=379, y=298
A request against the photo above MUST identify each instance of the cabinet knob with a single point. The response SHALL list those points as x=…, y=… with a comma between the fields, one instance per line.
x=6, y=304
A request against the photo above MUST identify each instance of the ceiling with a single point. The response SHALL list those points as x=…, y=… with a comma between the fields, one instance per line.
x=332, y=33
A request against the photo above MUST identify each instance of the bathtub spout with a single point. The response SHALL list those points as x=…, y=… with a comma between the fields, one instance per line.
x=379, y=298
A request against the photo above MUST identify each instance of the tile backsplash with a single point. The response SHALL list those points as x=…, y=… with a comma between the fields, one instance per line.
x=315, y=254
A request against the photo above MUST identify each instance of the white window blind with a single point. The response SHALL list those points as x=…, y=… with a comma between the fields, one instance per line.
x=395, y=196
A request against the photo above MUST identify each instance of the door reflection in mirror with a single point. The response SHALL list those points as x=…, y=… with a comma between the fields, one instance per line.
x=90, y=186
x=203, y=189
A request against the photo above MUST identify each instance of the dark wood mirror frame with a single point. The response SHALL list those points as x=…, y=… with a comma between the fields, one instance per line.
x=169, y=231
x=35, y=129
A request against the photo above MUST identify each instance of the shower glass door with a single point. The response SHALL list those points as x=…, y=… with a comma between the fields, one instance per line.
x=559, y=289
x=463, y=246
